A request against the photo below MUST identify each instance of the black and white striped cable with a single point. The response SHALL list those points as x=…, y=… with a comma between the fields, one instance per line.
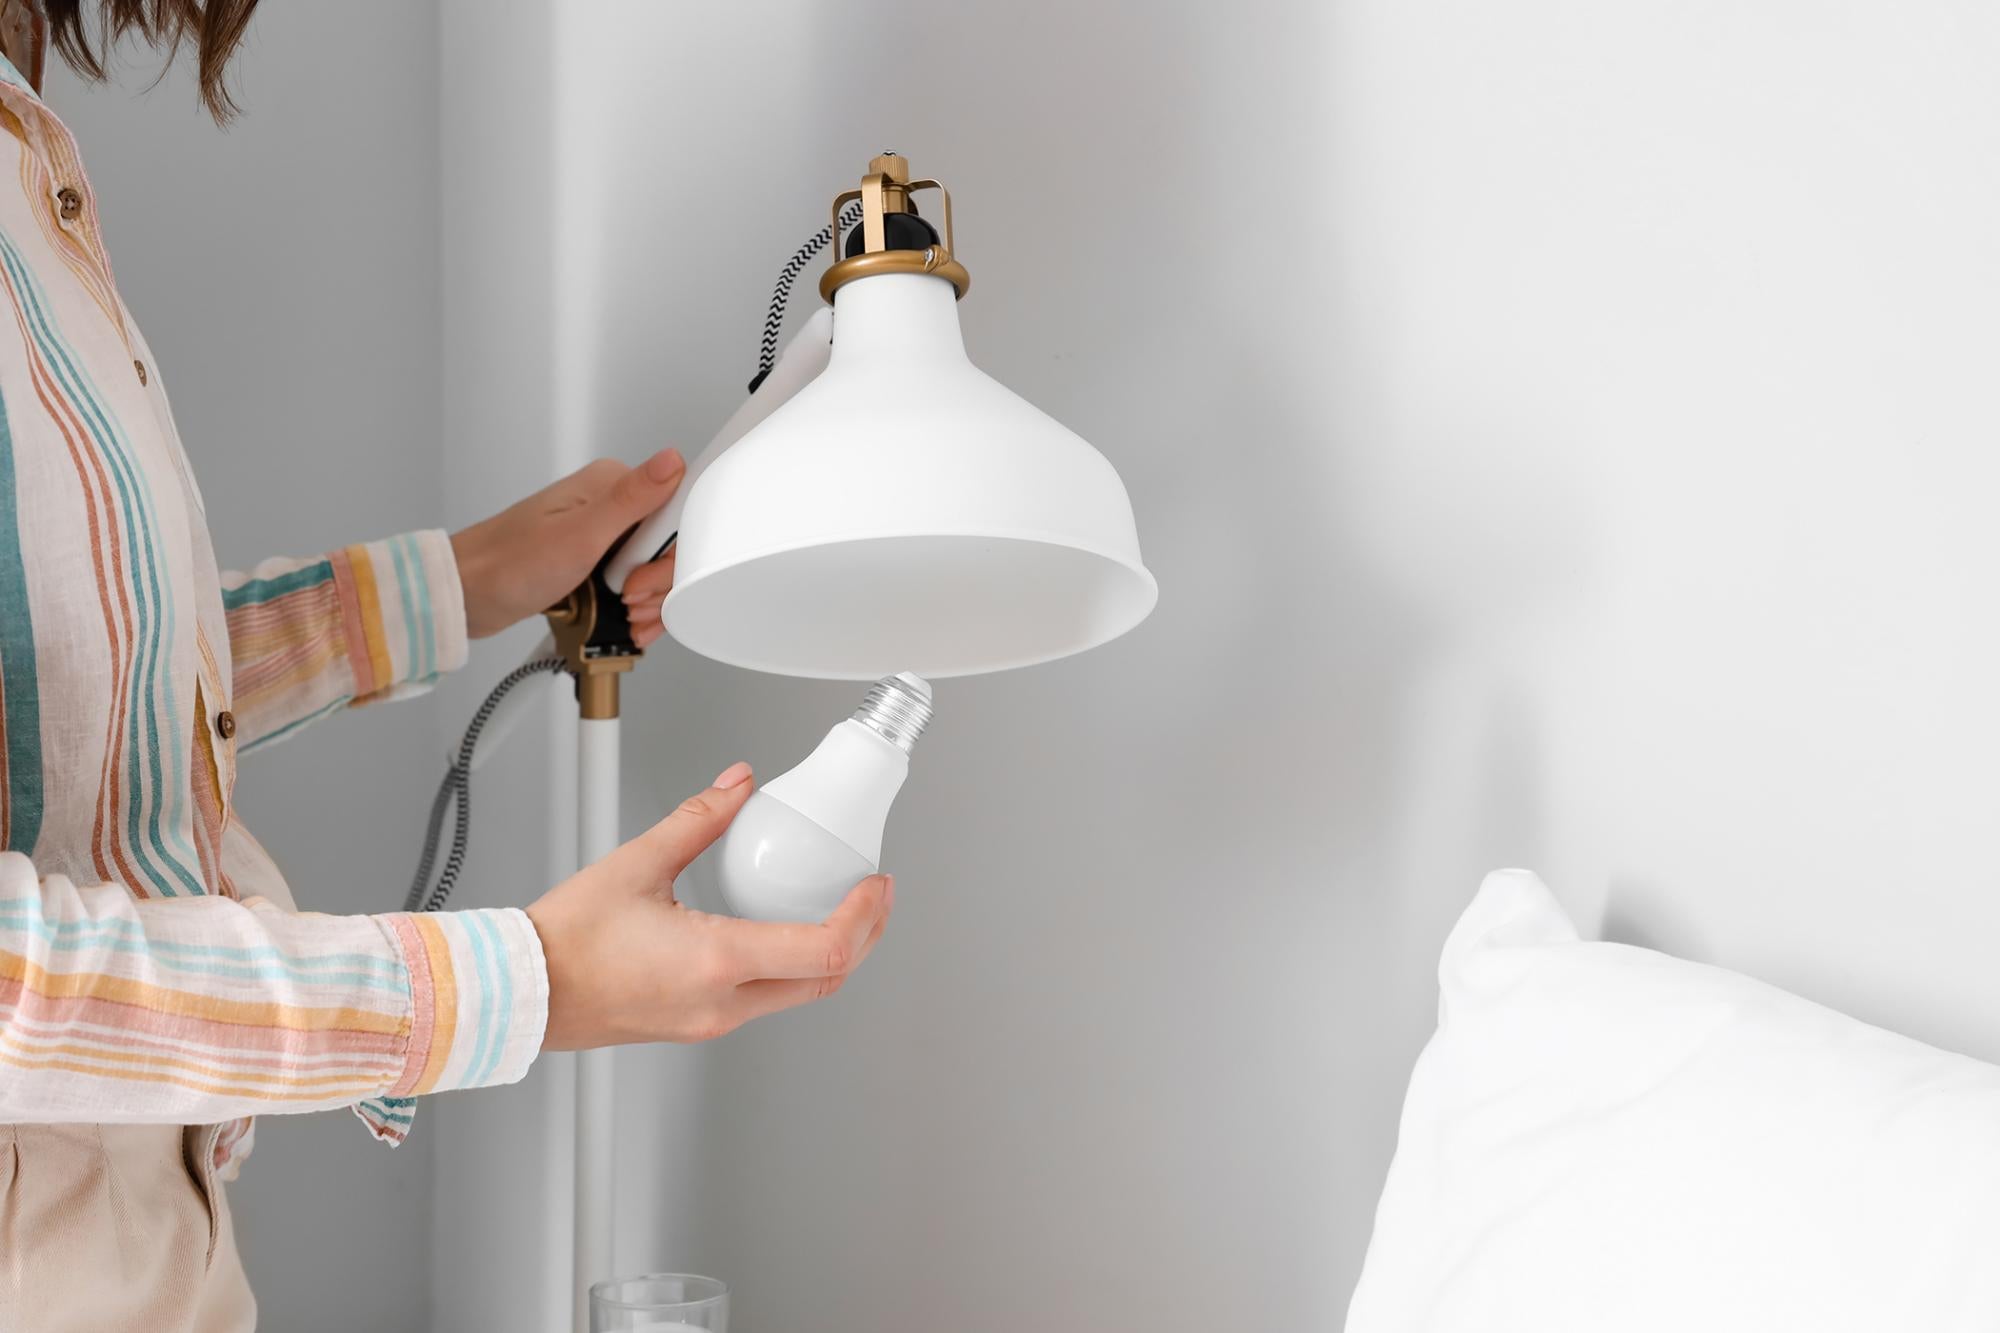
x=457, y=785
x=781, y=296
x=456, y=788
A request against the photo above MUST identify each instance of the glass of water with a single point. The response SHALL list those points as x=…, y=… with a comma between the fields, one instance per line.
x=660, y=1303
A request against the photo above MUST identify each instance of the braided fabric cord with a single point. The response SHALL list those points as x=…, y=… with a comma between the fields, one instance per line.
x=457, y=785
x=781, y=295
x=456, y=788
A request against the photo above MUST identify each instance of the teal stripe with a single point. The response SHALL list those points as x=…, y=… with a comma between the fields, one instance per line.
x=257, y=591
x=23, y=698
x=153, y=686
x=280, y=968
x=485, y=1051
x=425, y=617
x=503, y=1010
x=89, y=934
x=417, y=665
x=378, y=1108
x=137, y=499
x=261, y=741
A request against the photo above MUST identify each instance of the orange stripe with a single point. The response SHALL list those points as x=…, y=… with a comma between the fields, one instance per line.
x=352, y=637
x=444, y=988
x=105, y=538
x=207, y=795
x=193, y=1085
x=372, y=627
x=97, y=985
x=86, y=260
x=423, y=1005
x=244, y=1080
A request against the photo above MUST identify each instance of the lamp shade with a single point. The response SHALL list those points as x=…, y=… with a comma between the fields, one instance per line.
x=905, y=512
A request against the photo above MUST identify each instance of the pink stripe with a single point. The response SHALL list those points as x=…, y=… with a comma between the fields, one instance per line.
x=265, y=673
x=329, y=1083
x=238, y=1058
x=352, y=630
x=424, y=1003
x=139, y=1019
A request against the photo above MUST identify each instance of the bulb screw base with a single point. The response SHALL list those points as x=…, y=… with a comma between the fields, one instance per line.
x=897, y=708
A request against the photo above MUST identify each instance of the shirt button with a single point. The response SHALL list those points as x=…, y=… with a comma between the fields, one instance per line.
x=225, y=724
x=71, y=203
x=140, y=366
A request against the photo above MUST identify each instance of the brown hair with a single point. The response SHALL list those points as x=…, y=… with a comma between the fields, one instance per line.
x=213, y=27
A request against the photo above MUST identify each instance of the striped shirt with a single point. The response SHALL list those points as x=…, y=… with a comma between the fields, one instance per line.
x=152, y=966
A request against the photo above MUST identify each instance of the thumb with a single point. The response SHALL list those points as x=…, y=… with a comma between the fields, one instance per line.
x=653, y=860
x=646, y=487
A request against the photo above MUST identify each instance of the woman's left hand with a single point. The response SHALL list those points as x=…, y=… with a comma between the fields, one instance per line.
x=523, y=559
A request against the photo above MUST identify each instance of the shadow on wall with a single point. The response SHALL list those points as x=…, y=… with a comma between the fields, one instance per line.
x=1170, y=909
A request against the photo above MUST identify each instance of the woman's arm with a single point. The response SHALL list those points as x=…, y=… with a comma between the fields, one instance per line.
x=385, y=619
x=307, y=638
x=195, y=1010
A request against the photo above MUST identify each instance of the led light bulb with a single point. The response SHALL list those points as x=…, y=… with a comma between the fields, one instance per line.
x=804, y=839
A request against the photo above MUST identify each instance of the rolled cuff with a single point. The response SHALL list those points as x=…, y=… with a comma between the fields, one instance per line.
x=479, y=989
x=405, y=611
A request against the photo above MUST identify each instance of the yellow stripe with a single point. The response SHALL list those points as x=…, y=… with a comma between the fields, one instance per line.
x=301, y=672
x=373, y=628
x=250, y=1079
x=99, y=986
x=193, y=1085
x=444, y=990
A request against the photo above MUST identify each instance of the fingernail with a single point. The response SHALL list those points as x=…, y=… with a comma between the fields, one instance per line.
x=735, y=775
x=665, y=466
x=888, y=892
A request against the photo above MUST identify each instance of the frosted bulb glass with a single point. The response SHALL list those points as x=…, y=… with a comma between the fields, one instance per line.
x=805, y=838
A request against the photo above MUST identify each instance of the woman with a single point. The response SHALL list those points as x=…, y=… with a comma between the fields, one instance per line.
x=156, y=989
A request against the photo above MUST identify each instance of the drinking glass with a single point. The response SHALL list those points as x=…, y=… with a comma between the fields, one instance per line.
x=660, y=1303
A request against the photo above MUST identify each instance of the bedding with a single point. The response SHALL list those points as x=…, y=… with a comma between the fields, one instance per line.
x=1605, y=1138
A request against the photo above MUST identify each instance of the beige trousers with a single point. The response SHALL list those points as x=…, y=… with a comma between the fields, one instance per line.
x=109, y=1228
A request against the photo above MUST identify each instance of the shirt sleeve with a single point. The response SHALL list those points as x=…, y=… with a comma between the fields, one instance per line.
x=382, y=620
x=196, y=1010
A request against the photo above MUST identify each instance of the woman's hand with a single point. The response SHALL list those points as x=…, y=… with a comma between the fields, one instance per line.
x=628, y=963
x=523, y=559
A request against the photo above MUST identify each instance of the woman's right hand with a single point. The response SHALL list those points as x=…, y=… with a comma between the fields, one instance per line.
x=629, y=963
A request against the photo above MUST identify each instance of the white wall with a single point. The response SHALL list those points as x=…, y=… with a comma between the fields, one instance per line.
x=1562, y=436
x=501, y=1215
x=285, y=272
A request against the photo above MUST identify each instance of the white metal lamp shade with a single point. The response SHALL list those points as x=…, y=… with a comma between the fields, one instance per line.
x=905, y=512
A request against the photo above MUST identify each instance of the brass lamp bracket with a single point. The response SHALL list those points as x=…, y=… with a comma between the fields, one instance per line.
x=886, y=190
x=595, y=641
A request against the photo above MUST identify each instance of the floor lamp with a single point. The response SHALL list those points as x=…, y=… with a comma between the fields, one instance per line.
x=877, y=505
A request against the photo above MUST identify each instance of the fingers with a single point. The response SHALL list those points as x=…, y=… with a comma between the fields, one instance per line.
x=646, y=487
x=659, y=854
x=650, y=582
x=788, y=950
x=754, y=999
x=646, y=589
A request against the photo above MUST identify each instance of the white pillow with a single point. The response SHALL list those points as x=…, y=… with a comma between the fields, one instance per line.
x=1605, y=1139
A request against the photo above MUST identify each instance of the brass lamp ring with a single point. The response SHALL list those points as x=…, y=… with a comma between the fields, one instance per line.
x=886, y=189
x=933, y=260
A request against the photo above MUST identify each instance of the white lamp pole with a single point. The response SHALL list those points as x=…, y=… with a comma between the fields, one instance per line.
x=596, y=655
x=906, y=512
x=597, y=794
